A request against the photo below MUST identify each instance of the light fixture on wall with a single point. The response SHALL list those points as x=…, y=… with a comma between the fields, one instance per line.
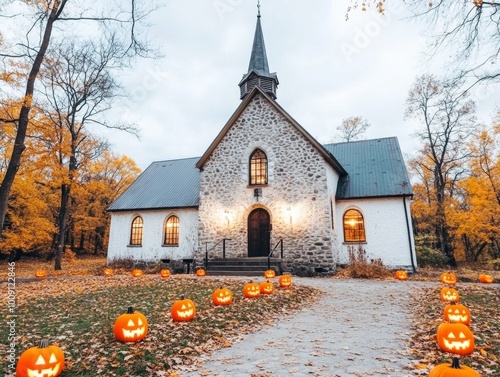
x=227, y=216
x=289, y=211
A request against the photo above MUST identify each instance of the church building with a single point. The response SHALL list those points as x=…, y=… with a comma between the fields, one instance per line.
x=265, y=185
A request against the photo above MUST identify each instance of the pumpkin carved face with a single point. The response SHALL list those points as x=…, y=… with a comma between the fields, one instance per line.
x=107, y=272
x=222, y=296
x=448, y=278
x=486, y=279
x=251, y=290
x=42, y=361
x=131, y=326
x=269, y=274
x=200, y=272
x=401, y=275
x=454, y=370
x=285, y=281
x=165, y=273
x=266, y=288
x=455, y=338
x=40, y=274
x=137, y=273
x=183, y=310
x=457, y=313
x=449, y=295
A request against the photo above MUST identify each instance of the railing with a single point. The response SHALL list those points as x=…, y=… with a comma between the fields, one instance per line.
x=280, y=243
x=213, y=247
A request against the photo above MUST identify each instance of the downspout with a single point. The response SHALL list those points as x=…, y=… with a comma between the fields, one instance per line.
x=409, y=235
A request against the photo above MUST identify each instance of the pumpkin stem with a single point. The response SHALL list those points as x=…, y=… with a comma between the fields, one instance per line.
x=130, y=310
x=455, y=364
x=44, y=343
x=182, y=297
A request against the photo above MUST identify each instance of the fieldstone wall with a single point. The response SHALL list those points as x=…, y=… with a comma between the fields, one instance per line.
x=297, y=196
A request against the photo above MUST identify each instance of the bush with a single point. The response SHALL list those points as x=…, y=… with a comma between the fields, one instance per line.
x=428, y=256
x=495, y=264
x=362, y=268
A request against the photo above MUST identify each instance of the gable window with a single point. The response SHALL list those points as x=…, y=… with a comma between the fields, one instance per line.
x=354, y=226
x=171, y=231
x=258, y=168
x=136, y=231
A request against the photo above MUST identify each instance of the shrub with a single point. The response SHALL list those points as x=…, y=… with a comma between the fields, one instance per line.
x=360, y=267
x=428, y=256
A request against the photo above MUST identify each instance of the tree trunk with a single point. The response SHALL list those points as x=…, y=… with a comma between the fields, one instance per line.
x=63, y=213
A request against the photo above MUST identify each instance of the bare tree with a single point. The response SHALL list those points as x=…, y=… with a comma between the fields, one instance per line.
x=352, y=128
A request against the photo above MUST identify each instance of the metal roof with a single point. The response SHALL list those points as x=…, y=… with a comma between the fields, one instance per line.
x=164, y=184
x=375, y=168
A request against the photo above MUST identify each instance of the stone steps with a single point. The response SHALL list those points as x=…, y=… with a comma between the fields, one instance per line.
x=243, y=266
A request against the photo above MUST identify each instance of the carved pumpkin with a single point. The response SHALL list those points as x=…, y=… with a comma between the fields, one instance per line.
x=222, y=296
x=449, y=295
x=45, y=360
x=455, y=338
x=200, y=272
x=448, y=278
x=165, y=273
x=269, y=274
x=457, y=313
x=266, y=287
x=487, y=279
x=137, y=273
x=251, y=290
x=285, y=281
x=401, y=275
x=453, y=370
x=131, y=326
x=183, y=310
x=40, y=274
x=107, y=271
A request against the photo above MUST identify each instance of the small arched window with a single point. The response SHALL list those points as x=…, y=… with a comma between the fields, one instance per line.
x=258, y=168
x=171, y=231
x=354, y=226
x=136, y=231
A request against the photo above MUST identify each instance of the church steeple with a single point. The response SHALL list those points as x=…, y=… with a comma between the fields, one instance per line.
x=258, y=69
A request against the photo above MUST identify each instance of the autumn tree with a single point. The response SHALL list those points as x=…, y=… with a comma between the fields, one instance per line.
x=352, y=128
x=447, y=121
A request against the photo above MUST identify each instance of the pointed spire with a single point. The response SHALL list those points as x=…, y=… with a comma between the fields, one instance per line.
x=258, y=69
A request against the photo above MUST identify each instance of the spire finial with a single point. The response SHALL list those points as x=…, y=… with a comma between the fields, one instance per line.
x=258, y=8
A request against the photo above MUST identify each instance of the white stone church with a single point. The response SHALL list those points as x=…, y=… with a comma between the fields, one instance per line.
x=266, y=185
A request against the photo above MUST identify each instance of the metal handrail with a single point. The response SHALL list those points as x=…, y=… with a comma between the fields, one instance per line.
x=280, y=242
x=213, y=247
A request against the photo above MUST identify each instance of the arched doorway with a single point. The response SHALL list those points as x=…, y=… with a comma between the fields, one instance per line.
x=259, y=233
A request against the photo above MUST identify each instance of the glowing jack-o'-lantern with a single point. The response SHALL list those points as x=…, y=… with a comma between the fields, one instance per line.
x=457, y=313
x=401, y=275
x=487, y=279
x=200, y=272
x=266, y=288
x=269, y=274
x=40, y=274
x=448, y=278
x=131, y=326
x=107, y=271
x=222, y=297
x=251, y=290
x=453, y=370
x=183, y=310
x=285, y=281
x=137, y=273
x=42, y=361
x=165, y=273
x=455, y=338
x=449, y=295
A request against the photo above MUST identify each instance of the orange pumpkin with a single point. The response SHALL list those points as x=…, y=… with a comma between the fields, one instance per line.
x=455, y=338
x=137, y=273
x=40, y=274
x=200, y=272
x=266, y=288
x=222, y=297
x=107, y=271
x=285, y=281
x=453, y=370
x=448, y=278
x=251, y=290
x=131, y=326
x=401, y=275
x=486, y=279
x=449, y=295
x=183, y=310
x=165, y=273
x=269, y=274
x=457, y=313
x=45, y=360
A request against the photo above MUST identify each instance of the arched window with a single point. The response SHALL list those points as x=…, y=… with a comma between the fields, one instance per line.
x=258, y=168
x=136, y=231
x=354, y=226
x=171, y=231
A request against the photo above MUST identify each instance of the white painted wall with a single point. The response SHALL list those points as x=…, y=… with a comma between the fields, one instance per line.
x=152, y=248
x=386, y=230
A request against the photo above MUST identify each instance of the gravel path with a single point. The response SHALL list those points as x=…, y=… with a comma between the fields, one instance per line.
x=357, y=329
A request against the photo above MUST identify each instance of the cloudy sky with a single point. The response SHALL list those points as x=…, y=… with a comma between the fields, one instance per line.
x=329, y=69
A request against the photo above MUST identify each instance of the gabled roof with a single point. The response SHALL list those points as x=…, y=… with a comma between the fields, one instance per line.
x=329, y=158
x=164, y=184
x=375, y=168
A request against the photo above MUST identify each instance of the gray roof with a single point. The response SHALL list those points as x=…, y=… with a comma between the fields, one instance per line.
x=164, y=184
x=375, y=168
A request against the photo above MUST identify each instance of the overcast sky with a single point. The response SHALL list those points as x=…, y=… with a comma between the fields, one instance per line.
x=328, y=68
